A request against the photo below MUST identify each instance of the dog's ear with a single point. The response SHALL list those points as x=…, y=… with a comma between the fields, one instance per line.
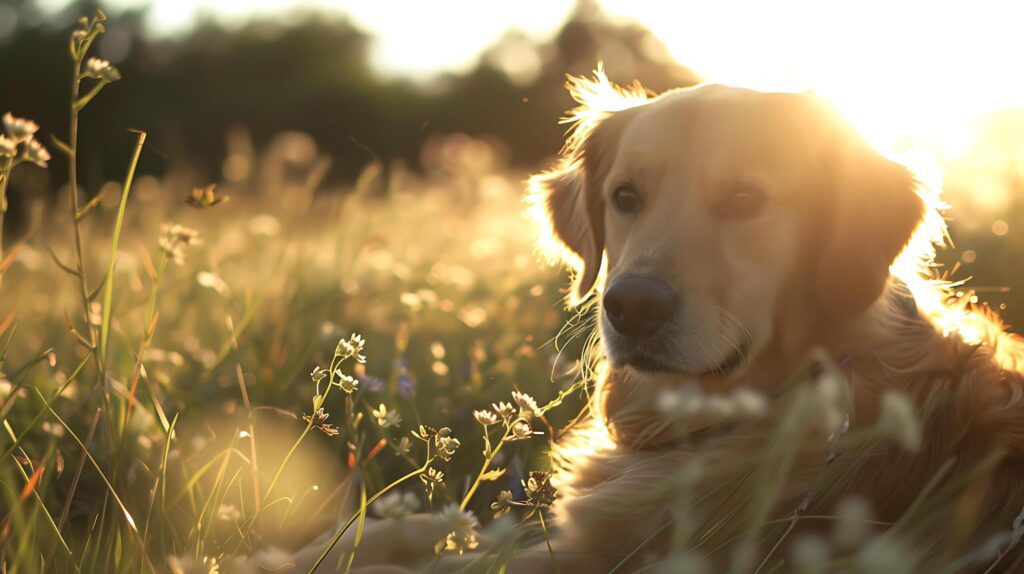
x=573, y=218
x=568, y=203
x=872, y=209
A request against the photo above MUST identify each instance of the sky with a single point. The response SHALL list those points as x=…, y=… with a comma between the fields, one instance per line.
x=898, y=69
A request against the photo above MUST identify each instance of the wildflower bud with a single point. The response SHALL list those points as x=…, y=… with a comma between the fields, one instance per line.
x=486, y=418
x=386, y=418
x=505, y=411
x=101, y=70
x=520, y=431
x=899, y=421
x=8, y=147
x=36, y=153
x=202, y=197
x=19, y=128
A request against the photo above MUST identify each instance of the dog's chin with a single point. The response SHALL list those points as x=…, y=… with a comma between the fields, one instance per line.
x=645, y=363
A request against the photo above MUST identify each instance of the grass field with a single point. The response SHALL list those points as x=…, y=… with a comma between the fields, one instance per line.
x=189, y=384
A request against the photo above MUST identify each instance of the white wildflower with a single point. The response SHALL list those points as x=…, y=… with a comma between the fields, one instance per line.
x=853, y=518
x=386, y=418
x=101, y=70
x=446, y=444
x=885, y=554
x=527, y=406
x=345, y=382
x=486, y=418
x=175, y=238
x=8, y=146
x=19, y=129
x=505, y=411
x=228, y=513
x=749, y=403
x=462, y=528
x=898, y=420
x=318, y=374
x=36, y=153
x=190, y=565
x=520, y=431
x=353, y=347
x=396, y=505
x=810, y=554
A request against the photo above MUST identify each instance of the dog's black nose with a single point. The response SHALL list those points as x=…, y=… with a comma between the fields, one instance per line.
x=637, y=306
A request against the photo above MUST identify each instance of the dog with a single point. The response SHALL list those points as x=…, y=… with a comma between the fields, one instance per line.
x=749, y=253
x=728, y=238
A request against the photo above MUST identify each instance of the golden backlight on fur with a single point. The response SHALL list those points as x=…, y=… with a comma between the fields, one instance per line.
x=935, y=294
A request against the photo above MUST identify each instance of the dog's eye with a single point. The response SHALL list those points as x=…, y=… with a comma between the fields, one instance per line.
x=626, y=199
x=742, y=201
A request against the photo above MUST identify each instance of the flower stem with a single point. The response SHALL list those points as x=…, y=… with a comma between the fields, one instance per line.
x=337, y=537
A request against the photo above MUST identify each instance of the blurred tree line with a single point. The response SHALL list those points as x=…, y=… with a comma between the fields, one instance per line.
x=192, y=91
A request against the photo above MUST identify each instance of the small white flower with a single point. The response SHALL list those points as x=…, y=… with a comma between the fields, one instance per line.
x=175, y=238
x=353, y=347
x=19, y=128
x=462, y=525
x=520, y=431
x=36, y=153
x=228, y=512
x=102, y=70
x=852, y=525
x=8, y=146
x=446, y=444
x=505, y=411
x=318, y=374
x=396, y=505
x=527, y=406
x=749, y=403
x=898, y=420
x=810, y=554
x=386, y=418
x=886, y=554
x=486, y=418
x=345, y=382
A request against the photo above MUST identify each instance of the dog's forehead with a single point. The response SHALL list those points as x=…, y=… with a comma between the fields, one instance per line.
x=719, y=123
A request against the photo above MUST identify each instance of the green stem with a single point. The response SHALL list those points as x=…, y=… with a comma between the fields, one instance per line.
x=108, y=286
x=337, y=537
x=483, y=467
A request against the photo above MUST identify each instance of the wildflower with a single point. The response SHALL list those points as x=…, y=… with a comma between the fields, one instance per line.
x=538, y=488
x=228, y=512
x=486, y=418
x=404, y=445
x=432, y=478
x=853, y=515
x=810, y=554
x=319, y=422
x=386, y=418
x=527, y=406
x=36, y=153
x=396, y=505
x=353, y=347
x=886, y=554
x=749, y=403
x=318, y=374
x=426, y=433
x=174, y=239
x=202, y=197
x=503, y=504
x=899, y=421
x=8, y=147
x=446, y=444
x=520, y=431
x=463, y=526
x=19, y=129
x=505, y=411
x=345, y=382
x=101, y=70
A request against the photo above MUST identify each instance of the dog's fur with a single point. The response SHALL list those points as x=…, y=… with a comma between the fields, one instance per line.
x=809, y=271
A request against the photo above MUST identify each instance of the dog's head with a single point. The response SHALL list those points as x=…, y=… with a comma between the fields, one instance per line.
x=703, y=217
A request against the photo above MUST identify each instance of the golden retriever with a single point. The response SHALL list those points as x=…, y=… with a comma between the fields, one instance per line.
x=733, y=240
x=761, y=362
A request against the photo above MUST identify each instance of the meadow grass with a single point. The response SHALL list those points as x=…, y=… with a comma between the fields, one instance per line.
x=185, y=379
